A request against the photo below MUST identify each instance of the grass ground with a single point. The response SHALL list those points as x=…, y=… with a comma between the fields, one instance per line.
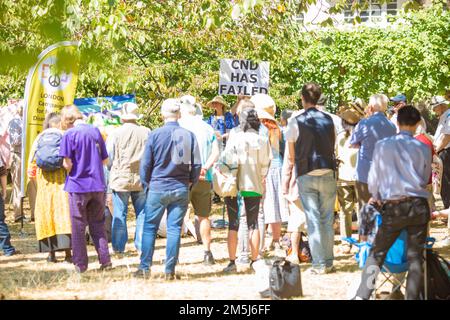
x=29, y=276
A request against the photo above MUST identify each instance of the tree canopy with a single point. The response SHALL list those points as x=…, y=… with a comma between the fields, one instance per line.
x=159, y=49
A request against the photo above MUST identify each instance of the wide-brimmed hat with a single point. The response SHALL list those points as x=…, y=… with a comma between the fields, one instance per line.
x=352, y=113
x=130, y=111
x=264, y=105
x=350, y=116
x=359, y=106
x=437, y=101
x=217, y=99
x=187, y=103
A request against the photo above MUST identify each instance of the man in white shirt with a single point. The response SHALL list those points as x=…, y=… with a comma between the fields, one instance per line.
x=441, y=142
x=311, y=139
x=200, y=193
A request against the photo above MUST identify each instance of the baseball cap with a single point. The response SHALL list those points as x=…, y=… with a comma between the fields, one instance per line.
x=399, y=98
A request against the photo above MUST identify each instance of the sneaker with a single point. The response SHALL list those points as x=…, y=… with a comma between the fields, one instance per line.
x=257, y=264
x=315, y=271
x=18, y=219
x=119, y=254
x=230, y=268
x=331, y=269
x=171, y=277
x=106, y=267
x=216, y=199
x=243, y=260
x=208, y=259
x=293, y=259
x=142, y=274
x=12, y=253
x=320, y=271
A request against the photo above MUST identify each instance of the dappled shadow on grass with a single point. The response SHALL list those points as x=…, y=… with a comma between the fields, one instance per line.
x=20, y=258
x=20, y=277
x=196, y=243
x=350, y=267
x=200, y=262
x=215, y=274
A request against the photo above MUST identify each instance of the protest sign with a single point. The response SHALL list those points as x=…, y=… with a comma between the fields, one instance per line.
x=243, y=77
x=48, y=89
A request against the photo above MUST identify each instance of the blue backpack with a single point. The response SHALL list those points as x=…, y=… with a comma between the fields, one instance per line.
x=47, y=151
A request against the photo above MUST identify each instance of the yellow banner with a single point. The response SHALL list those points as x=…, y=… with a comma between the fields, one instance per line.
x=51, y=84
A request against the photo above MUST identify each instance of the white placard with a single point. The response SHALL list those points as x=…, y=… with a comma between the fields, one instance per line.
x=243, y=77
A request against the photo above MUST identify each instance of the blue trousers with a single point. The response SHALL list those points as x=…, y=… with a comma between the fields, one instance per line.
x=176, y=203
x=5, y=236
x=318, y=196
x=119, y=223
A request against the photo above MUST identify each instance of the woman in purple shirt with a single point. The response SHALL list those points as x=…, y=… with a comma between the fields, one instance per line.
x=84, y=153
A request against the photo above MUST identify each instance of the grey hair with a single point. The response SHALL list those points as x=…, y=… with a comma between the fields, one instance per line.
x=379, y=102
x=170, y=108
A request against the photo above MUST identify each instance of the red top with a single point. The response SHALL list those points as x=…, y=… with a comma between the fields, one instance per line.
x=424, y=139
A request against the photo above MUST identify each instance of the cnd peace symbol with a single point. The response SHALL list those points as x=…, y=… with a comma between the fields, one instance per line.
x=54, y=81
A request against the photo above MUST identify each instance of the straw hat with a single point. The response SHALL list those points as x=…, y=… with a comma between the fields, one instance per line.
x=437, y=101
x=218, y=99
x=350, y=116
x=358, y=105
x=353, y=113
x=265, y=106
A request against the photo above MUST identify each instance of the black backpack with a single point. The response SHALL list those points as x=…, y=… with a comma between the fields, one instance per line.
x=47, y=151
x=285, y=280
x=438, y=277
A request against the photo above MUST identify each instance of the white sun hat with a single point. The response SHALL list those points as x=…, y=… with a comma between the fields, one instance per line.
x=264, y=105
x=130, y=111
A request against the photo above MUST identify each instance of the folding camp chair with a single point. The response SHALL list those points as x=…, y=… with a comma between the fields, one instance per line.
x=396, y=261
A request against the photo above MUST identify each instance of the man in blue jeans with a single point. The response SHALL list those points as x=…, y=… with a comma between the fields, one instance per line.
x=311, y=137
x=5, y=236
x=125, y=147
x=170, y=165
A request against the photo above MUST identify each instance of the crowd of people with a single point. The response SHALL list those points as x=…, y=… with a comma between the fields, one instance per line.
x=293, y=172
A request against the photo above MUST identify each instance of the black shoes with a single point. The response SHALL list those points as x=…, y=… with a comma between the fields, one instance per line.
x=52, y=258
x=142, y=274
x=208, y=260
x=171, y=277
x=25, y=219
x=13, y=253
x=106, y=267
x=216, y=199
x=230, y=268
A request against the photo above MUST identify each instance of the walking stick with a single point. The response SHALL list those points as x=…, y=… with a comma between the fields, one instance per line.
x=22, y=233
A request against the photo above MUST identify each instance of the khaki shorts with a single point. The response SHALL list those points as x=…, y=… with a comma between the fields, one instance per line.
x=200, y=197
x=297, y=217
